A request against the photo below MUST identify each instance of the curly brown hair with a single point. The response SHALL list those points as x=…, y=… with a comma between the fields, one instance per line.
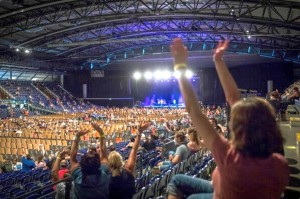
x=255, y=131
x=193, y=135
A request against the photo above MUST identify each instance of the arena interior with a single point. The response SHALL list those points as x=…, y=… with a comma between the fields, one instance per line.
x=67, y=63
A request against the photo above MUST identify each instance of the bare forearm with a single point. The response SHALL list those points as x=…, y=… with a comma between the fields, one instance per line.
x=74, y=150
x=200, y=121
x=228, y=84
x=103, y=149
x=56, y=168
x=130, y=166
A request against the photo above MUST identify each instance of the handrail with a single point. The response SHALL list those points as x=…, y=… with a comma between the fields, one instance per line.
x=41, y=109
x=67, y=192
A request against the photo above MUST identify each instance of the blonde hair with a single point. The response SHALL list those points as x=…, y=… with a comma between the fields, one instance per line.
x=115, y=162
x=255, y=131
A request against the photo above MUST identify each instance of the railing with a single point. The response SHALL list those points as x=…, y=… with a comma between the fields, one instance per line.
x=41, y=110
x=68, y=183
x=6, y=92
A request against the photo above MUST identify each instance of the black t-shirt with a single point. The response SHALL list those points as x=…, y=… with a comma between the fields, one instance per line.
x=122, y=187
x=150, y=145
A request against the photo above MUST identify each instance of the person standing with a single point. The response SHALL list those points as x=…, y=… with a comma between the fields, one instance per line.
x=91, y=174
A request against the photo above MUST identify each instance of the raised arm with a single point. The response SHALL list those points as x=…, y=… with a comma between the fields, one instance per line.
x=74, y=148
x=229, y=86
x=200, y=121
x=130, y=165
x=57, y=162
x=103, y=150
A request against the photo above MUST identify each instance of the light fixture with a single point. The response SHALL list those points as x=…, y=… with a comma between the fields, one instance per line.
x=137, y=75
x=188, y=74
x=148, y=75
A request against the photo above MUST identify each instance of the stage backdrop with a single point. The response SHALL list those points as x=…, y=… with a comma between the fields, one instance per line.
x=120, y=84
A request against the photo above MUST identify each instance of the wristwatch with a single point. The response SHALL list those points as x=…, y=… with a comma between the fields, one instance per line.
x=75, y=138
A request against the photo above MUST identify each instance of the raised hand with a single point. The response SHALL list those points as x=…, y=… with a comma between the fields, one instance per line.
x=97, y=127
x=219, y=51
x=143, y=126
x=179, y=51
x=82, y=132
x=63, y=153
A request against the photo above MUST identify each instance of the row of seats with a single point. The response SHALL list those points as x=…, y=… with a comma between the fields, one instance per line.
x=17, y=183
x=152, y=186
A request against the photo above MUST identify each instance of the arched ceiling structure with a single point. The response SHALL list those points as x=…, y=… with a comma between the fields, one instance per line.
x=68, y=34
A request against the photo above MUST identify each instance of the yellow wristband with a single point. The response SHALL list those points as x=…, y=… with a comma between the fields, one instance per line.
x=102, y=136
x=180, y=66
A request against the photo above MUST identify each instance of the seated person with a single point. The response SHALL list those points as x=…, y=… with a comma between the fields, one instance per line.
x=149, y=144
x=194, y=143
x=182, y=151
x=27, y=163
x=295, y=94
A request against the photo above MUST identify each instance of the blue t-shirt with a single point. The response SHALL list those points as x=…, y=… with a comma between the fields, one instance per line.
x=94, y=186
x=27, y=164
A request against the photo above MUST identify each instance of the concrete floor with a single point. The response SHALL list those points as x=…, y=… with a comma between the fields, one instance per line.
x=292, y=153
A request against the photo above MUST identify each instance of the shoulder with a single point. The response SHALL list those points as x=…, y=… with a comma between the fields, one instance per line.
x=221, y=149
x=76, y=173
x=280, y=159
x=104, y=168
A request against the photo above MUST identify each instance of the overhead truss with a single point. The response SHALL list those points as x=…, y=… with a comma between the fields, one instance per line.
x=107, y=30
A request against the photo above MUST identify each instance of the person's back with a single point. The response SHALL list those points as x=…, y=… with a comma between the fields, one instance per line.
x=27, y=163
x=93, y=186
x=149, y=144
x=122, y=187
x=245, y=177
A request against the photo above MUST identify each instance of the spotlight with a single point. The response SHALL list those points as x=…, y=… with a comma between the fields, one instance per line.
x=232, y=11
x=27, y=51
x=17, y=49
x=249, y=36
x=166, y=75
x=148, y=75
x=188, y=74
x=177, y=74
x=158, y=75
x=137, y=75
